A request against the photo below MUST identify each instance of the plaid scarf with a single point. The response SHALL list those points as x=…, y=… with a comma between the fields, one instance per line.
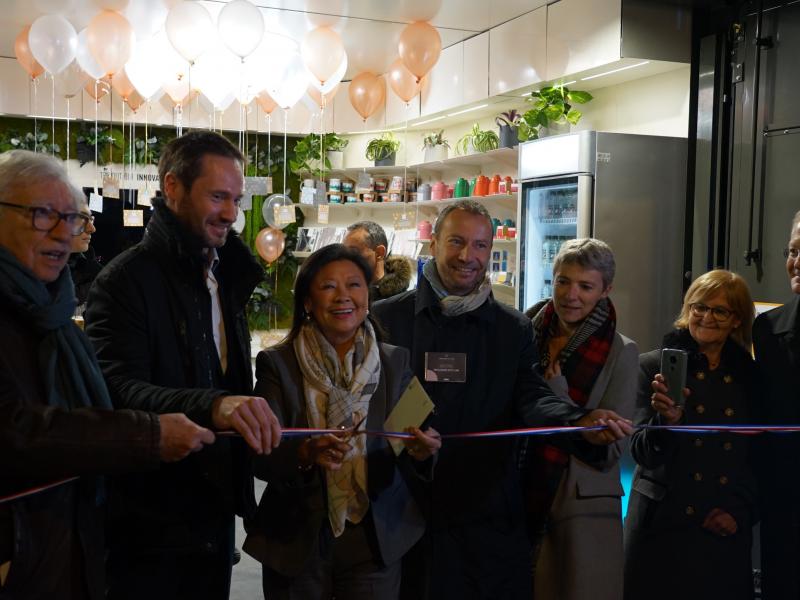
x=581, y=360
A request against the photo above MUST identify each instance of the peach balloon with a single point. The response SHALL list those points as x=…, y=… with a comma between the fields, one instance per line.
x=134, y=101
x=122, y=85
x=322, y=51
x=322, y=99
x=97, y=89
x=367, y=93
x=270, y=243
x=23, y=52
x=403, y=82
x=266, y=102
x=419, y=47
x=110, y=38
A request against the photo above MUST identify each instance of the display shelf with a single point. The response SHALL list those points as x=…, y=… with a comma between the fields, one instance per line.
x=501, y=243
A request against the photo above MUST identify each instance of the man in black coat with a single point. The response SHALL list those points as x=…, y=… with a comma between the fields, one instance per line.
x=167, y=318
x=776, y=340
x=476, y=358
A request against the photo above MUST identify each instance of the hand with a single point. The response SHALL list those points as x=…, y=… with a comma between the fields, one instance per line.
x=424, y=445
x=327, y=451
x=617, y=428
x=252, y=417
x=181, y=436
x=552, y=370
x=721, y=523
x=663, y=404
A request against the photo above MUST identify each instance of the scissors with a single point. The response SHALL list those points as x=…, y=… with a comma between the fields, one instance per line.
x=351, y=431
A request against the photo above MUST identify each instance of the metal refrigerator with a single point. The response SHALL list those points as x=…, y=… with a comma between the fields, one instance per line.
x=628, y=190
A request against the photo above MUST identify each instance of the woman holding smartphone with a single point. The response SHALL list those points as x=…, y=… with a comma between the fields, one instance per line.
x=692, y=505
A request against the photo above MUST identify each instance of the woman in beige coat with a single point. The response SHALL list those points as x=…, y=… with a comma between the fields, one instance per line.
x=573, y=506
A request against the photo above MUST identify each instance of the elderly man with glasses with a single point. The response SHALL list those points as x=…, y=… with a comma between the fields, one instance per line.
x=56, y=420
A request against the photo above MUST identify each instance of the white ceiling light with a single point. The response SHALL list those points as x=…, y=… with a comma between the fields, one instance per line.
x=466, y=110
x=430, y=120
x=615, y=70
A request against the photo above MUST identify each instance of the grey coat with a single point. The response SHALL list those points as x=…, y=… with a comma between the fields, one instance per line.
x=293, y=508
x=581, y=554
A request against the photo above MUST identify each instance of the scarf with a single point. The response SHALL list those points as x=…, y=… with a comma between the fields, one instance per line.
x=67, y=363
x=452, y=306
x=338, y=393
x=582, y=359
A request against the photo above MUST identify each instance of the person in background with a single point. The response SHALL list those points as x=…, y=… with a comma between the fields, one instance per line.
x=391, y=275
x=775, y=339
x=83, y=265
x=574, y=508
x=337, y=515
x=688, y=531
x=167, y=318
x=56, y=420
x=477, y=360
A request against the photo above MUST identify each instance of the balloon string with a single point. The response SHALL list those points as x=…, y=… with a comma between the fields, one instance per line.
x=96, y=133
x=53, y=101
x=275, y=296
x=68, y=168
x=111, y=122
x=34, y=111
x=285, y=127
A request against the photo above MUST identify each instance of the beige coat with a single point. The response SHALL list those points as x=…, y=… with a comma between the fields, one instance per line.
x=581, y=555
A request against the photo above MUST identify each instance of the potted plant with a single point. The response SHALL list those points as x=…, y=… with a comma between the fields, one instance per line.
x=435, y=146
x=552, y=105
x=477, y=140
x=334, y=150
x=508, y=124
x=383, y=150
x=308, y=154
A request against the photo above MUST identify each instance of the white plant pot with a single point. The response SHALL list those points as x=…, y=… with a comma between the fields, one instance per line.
x=336, y=158
x=435, y=153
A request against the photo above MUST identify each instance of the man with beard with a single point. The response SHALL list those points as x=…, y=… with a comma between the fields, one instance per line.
x=167, y=318
x=476, y=358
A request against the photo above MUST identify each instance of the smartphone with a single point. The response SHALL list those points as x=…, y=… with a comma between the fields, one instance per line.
x=674, y=364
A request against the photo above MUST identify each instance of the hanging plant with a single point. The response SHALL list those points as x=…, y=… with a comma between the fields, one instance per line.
x=551, y=105
x=14, y=140
x=481, y=140
x=308, y=153
x=146, y=151
x=89, y=137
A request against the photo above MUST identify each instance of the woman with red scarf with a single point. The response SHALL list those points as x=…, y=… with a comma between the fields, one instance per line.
x=573, y=506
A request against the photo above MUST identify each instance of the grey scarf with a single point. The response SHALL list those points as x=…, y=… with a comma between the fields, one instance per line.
x=452, y=306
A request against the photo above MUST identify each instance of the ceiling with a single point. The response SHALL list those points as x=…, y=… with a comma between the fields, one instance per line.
x=370, y=29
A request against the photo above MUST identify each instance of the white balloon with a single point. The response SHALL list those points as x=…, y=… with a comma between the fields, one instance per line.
x=53, y=42
x=217, y=74
x=241, y=27
x=334, y=79
x=189, y=29
x=225, y=102
x=238, y=225
x=176, y=88
x=146, y=17
x=71, y=80
x=86, y=59
x=53, y=6
x=263, y=69
x=292, y=84
x=145, y=68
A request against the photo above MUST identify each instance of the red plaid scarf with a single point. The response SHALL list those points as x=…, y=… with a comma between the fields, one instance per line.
x=581, y=360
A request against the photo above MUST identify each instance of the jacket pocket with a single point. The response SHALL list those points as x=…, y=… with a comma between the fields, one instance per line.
x=650, y=488
x=593, y=483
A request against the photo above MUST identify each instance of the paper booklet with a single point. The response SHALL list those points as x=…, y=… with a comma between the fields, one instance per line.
x=411, y=410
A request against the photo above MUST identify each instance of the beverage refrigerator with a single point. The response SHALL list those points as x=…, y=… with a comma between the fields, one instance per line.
x=627, y=190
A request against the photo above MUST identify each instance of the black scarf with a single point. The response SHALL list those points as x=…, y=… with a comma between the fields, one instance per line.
x=67, y=363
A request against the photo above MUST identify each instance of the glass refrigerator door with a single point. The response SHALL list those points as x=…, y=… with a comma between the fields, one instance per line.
x=550, y=215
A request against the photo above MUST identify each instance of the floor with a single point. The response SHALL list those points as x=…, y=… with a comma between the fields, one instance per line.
x=246, y=583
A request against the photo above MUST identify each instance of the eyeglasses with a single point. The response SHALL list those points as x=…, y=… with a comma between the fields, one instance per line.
x=719, y=313
x=47, y=219
x=792, y=253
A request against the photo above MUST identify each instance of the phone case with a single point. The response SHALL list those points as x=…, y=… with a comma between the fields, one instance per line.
x=674, y=364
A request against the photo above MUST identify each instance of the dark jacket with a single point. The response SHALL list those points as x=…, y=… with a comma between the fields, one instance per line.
x=776, y=338
x=83, y=267
x=475, y=481
x=149, y=317
x=293, y=508
x=395, y=280
x=53, y=535
x=681, y=477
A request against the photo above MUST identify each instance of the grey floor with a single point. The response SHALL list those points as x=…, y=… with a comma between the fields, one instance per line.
x=246, y=583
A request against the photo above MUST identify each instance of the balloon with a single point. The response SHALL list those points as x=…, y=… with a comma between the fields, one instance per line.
x=367, y=93
x=264, y=68
x=333, y=80
x=189, y=29
x=53, y=6
x=97, y=88
x=71, y=80
x=86, y=59
x=146, y=17
x=241, y=27
x=241, y=220
x=292, y=83
x=134, y=101
x=419, y=47
x=270, y=243
x=266, y=102
x=216, y=74
x=321, y=99
x=177, y=88
x=112, y=4
x=53, y=42
x=24, y=56
x=111, y=40
x=268, y=209
x=122, y=85
x=322, y=52
x=145, y=69
x=403, y=81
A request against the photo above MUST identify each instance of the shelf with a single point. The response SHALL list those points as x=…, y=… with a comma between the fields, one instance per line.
x=496, y=242
x=506, y=201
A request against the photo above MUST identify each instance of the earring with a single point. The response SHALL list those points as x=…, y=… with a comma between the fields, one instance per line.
x=367, y=311
x=307, y=317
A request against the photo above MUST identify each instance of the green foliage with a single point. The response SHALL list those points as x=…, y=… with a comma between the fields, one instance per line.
x=101, y=138
x=308, y=153
x=510, y=118
x=552, y=104
x=146, y=151
x=12, y=139
x=481, y=140
x=435, y=138
x=382, y=147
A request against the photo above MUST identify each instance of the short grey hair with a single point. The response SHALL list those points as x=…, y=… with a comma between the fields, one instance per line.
x=376, y=236
x=588, y=253
x=19, y=168
x=471, y=206
x=795, y=221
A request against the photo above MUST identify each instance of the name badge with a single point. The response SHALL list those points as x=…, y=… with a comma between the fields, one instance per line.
x=446, y=366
